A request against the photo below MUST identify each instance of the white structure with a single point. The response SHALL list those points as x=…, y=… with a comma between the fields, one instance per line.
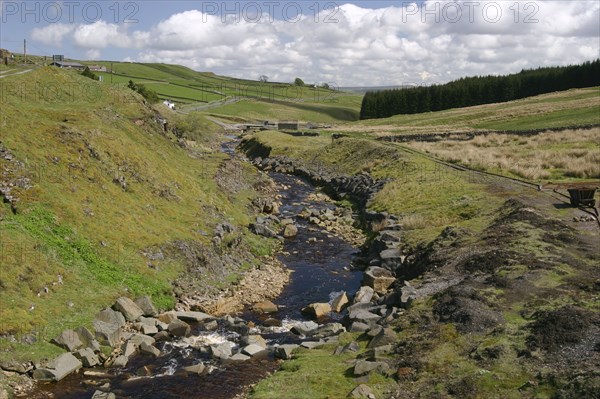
x=169, y=104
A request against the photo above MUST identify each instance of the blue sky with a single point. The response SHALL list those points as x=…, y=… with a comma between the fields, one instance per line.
x=344, y=43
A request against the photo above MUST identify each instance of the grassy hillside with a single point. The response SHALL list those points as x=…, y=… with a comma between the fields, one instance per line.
x=506, y=306
x=562, y=109
x=186, y=86
x=99, y=184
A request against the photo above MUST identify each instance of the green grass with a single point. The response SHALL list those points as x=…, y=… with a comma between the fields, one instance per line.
x=562, y=109
x=317, y=374
x=78, y=223
x=188, y=86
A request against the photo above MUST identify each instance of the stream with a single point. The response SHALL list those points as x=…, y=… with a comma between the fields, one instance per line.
x=321, y=269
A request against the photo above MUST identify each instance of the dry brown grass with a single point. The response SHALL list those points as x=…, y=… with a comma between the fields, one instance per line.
x=548, y=155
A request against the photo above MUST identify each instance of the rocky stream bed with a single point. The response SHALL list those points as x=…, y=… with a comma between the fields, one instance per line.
x=200, y=355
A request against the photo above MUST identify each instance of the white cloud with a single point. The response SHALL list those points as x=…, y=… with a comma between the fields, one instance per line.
x=52, y=35
x=403, y=43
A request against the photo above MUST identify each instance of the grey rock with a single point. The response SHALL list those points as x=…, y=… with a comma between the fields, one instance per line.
x=285, y=351
x=340, y=302
x=145, y=303
x=179, y=328
x=211, y=325
x=16, y=367
x=103, y=395
x=196, y=368
x=391, y=259
x=386, y=336
x=262, y=230
x=328, y=330
x=374, y=331
x=361, y=392
x=110, y=316
x=68, y=340
x=305, y=328
x=363, y=367
x=139, y=339
x=107, y=333
x=167, y=317
x=317, y=310
x=378, y=278
x=252, y=350
x=193, y=316
x=364, y=316
x=358, y=326
x=351, y=347
x=88, y=357
x=364, y=295
x=128, y=308
x=239, y=357
x=120, y=361
x=312, y=344
x=149, y=349
x=148, y=330
x=254, y=340
x=88, y=339
x=58, y=368
x=290, y=231
x=221, y=351
x=407, y=295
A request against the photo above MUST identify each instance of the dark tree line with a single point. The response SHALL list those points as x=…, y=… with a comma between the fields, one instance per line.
x=478, y=90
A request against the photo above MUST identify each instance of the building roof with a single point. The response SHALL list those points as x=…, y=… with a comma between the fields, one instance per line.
x=68, y=64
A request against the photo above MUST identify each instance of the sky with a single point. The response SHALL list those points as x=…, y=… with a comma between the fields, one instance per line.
x=342, y=43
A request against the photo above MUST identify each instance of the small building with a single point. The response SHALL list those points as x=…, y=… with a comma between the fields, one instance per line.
x=169, y=104
x=97, y=68
x=68, y=65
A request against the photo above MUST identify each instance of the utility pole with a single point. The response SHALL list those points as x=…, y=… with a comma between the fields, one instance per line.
x=25, y=50
x=111, y=72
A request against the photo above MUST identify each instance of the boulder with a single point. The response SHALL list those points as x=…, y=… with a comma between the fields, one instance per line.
x=317, y=310
x=68, y=340
x=361, y=392
x=120, y=361
x=128, y=308
x=351, y=347
x=363, y=367
x=149, y=349
x=88, y=339
x=285, y=351
x=254, y=340
x=239, y=357
x=16, y=367
x=328, y=330
x=378, y=278
x=407, y=295
x=358, y=326
x=193, y=316
x=58, y=368
x=340, y=302
x=290, y=231
x=167, y=317
x=103, y=395
x=148, y=329
x=107, y=333
x=145, y=303
x=386, y=336
x=305, y=328
x=195, y=369
x=253, y=350
x=111, y=317
x=221, y=351
x=179, y=328
x=312, y=344
x=364, y=295
x=265, y=307
x=262, y=230
x=391, y=259
x=88, y=357
x=138, y=339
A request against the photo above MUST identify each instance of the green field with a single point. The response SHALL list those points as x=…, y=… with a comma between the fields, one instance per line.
x=570, y=108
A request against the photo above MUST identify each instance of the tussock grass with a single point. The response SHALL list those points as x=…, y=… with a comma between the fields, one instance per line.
x=549, y=155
